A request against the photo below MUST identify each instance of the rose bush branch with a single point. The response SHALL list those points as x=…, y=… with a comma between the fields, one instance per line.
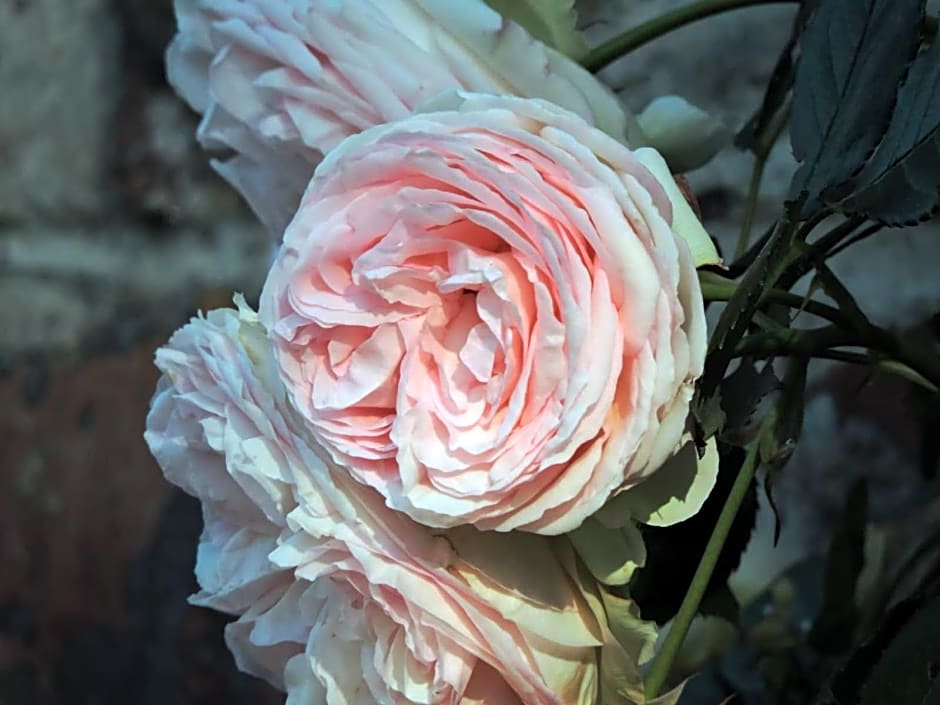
x=662, y=662
x=762, y=147
x=735, y=319
x=771, y=264
x=856, y=238
x=921, y=367
x=803, y=259
x=613, y=49
x=870, y=335
x=794, y=341
x=890, y=366
x=717, y=288
x=846, y=331
x=742, y=263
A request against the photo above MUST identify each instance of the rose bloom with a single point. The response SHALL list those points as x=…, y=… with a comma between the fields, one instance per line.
x=280, y=82
x=485, y=314
x=341, y=599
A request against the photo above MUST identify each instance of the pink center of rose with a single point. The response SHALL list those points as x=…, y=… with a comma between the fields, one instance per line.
x=446, y=324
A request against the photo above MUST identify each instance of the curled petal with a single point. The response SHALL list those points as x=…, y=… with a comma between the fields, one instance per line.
x=281, y=82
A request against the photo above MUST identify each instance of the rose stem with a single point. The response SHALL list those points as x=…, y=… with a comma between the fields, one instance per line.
x=611, y=50
x=924, y=364
x=717, y=288
x=761, y=148
x=662, y=662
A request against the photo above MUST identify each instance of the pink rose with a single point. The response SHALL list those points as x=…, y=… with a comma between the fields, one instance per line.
x=485, y=314
x=282, y=81
x=340, y=598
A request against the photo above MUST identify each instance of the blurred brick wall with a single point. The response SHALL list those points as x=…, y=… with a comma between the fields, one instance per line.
x=113, y=231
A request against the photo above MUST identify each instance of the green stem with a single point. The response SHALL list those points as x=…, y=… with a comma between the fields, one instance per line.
x=762, y=146
x=892, y=367
x=909, y=363
x=745, y=300
x=822, y=248
x=750, y=205
x=765, y=322
x=768, y=267
x=858, y=237
x=803, y=261
x=795, y=341
x=662, y=663
x=740, y=265
x=809, y=225
x=913, y=363
x=716, y=288
x=923, y=362
x=613, y=49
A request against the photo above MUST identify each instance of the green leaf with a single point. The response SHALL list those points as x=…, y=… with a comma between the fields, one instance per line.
x=835, y=624
x=744, y=394
x=550, y=21
x=901, y=183
x=709, y=414
x=854, y=54
x=779, y=441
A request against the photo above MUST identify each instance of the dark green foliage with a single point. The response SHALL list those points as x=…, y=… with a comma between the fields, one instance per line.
x=709, y=417
x=860, y=80
x=743, y=395
x=781, y=437
x=835, y=624
x=854, y=53
x=779, y=440
x=927, y=405
x=898, y=665
x=901, y=182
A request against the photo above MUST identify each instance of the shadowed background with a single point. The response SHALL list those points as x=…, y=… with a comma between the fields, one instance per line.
x=114, y=230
